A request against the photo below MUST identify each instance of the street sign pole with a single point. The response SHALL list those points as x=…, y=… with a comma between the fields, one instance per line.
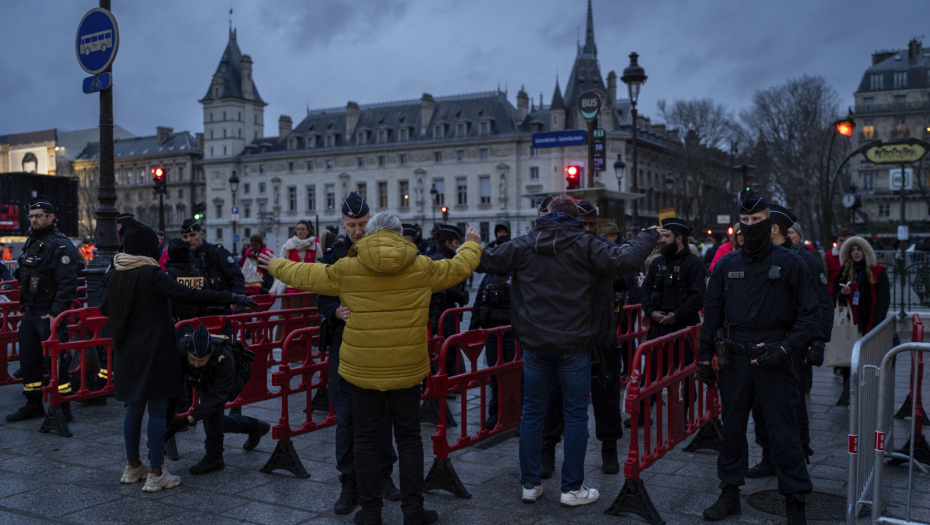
x=589, y=103
x=589, y=180
x=902, y=243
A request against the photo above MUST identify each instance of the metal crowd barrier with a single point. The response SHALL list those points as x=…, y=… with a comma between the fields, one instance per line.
x=868, y=356
x=12, y=294
x=914, y=395
x=442, y=475
x=10, y=316
x=690, y=407
x=429, y=408
x=883, y=434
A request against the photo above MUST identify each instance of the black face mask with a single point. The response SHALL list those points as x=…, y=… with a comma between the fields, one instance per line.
x=756, y=237
x=669, y=249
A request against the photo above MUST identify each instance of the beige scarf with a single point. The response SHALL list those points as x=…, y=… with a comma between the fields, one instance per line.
x=124, y=261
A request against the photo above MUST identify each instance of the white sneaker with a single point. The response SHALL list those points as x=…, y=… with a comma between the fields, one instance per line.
x=582, y=496
x=531, y=492
x=134, y=475
x=166, y=481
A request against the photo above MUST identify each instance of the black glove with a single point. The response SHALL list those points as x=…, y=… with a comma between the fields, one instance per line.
x=773, y=357
x=174, y=426
x=708, y=375
x=815, y=354
x=243, y=300
x=464, y=299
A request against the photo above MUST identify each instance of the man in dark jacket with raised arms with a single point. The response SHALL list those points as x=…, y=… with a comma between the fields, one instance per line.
x=555, y=269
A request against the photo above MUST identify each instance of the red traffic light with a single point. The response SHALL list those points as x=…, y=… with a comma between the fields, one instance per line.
x=158, y=173
x=845, y=127
x=444, y=209
x=730, y=230
x=572, y=171
x=573, y=176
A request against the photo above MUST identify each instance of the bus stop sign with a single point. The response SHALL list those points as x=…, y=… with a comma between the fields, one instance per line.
x=97, y=41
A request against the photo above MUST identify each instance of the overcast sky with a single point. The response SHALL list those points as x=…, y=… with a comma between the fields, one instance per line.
x=325, y=52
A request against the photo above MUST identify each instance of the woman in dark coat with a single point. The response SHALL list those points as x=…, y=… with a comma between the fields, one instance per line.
x=146, y=370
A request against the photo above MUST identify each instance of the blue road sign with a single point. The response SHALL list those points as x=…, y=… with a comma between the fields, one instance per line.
x=235, y=210
x=599, y=164
x=558, y=139
x=98, y=82
x=97, y=41
x=235, y=237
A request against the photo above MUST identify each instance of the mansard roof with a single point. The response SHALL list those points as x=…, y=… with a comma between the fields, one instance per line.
x=177, y=143
x=230, y=71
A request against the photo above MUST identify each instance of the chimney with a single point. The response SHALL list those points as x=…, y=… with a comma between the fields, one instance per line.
x=162, y=134
x=658, y=129
x=642, y=122
x=199, y=141
x=284, y=127
x=246, y=66
x=881, y=56
x=427, y=107
x=913, y=51
x=611, y=89
x=523, y=105
x=351, y=118
x=673, y=135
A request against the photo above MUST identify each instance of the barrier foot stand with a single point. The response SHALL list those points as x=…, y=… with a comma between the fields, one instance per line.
x=907, y=409
x=921, y=451
x=442, y=476
x=633, y=499
x=285, y=457
x=708, y=437
x=320, y=401
x=429, y=413
x=171, y=449
x=55, y=421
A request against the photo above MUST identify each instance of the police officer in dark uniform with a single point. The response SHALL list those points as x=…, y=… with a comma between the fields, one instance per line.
x=216, y=264
x=759, y=308
x=802, y=362
x=355, y=216
x=448, y=240
x=48, y=284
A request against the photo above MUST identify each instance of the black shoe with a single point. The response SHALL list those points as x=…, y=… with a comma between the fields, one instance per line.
x=207, y=464
x=259, y=429
x=490, y=422
x=450, y=395
x=794, y=507
x=426, y=517
x=66, y=410
x=610, y=463
x=726, y=504
x=93, y=401
x=361, y=518
x=18, y=374
x=29, y=411
x=763, y=469
x=388, y=490
x=628, y=422
x=548, y=460
x=348, y=498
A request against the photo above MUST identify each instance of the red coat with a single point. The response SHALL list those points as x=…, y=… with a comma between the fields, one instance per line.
x=873, y=306
x=724, y=249
x=833, y=267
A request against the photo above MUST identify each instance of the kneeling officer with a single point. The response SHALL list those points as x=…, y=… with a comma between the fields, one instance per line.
x=219, y=370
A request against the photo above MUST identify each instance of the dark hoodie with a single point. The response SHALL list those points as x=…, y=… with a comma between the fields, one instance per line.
x=554, y=292
x=181, y=268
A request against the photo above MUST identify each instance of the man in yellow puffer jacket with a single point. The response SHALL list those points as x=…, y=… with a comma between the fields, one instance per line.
x=386, y=286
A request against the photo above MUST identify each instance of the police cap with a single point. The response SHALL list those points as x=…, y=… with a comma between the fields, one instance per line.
x=200, y=344
x=410, y=230
x=782, y=216
x=190, y=226
x=449, y=231
x=354, y=206
x=752, y=204
x=42, y=205
x=676, y=225
x=586, y=209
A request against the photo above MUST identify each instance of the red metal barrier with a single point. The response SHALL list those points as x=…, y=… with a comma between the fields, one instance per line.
x=429, y=410
x=442, y=475
x=458, y=313
x=689, y=407
x=637, y=328
x=298, y=342
x=921, y=446
x=10, y=316
x=13, y=293
x=266, y=301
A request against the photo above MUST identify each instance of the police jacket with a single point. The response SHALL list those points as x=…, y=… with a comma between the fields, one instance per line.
x=492, y=306
x=676, y=285
x=762, y=299
x=220, y=272
x=186, y=273
x=5, y=274
x=212, y=381
x=46, y=272
x=326, y=303
x=450, y=298
x=821, y=289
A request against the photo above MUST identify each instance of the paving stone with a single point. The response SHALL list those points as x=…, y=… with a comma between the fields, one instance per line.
x=297, y=493
x=11, y=484
x=57, y=500
x=200, y=518
x=23, y=519
x=200, y=500
x=268, y=514
x=126, y=511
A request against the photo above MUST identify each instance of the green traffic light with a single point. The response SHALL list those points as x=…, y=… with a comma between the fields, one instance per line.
x=198, y=216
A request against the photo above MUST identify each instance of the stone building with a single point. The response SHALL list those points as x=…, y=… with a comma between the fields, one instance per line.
x=893, y=103
x=47, y=152
x=474, y=149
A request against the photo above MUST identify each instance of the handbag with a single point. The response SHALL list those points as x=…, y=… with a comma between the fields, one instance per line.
x=838, y=352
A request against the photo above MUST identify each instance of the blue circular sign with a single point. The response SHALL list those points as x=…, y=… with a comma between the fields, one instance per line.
x=97, y=41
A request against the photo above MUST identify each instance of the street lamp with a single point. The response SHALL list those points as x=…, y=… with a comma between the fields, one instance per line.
x=234, y=186
x=619, y=170
x=433, y=193
x=842, y=126
x=669, y=182
x=634, y=77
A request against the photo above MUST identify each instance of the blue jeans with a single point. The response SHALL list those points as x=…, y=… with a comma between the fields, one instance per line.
x=540, y=369
x=132, y=429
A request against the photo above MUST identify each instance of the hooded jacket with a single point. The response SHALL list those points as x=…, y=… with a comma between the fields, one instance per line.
x=387, y=287
x=875, y=299
x=554, y=295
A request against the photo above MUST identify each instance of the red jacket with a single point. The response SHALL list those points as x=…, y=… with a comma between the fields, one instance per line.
x=724, y=249
x=833, y=266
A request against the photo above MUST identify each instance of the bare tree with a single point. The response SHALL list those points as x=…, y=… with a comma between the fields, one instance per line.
x=87, y=203
x=711, y=124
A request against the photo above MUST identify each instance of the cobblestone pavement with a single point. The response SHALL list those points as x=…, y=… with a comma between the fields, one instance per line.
x=45, y=478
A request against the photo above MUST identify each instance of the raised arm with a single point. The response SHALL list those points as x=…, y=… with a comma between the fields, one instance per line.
x=447, y=273
x=620, y=260
x=313, y=277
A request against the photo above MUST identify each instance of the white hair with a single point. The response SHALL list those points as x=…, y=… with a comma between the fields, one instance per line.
x=384, y=221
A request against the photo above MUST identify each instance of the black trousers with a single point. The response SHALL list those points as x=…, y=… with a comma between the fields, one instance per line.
x=217, y=424
x=33, y=329
x=741, y=384
x=804, y=426
x=368, y=407
x=608, y=424
x=490, y=355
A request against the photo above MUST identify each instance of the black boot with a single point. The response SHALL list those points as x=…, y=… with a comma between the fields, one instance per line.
x=388, y=490
x=764, y=468
x=348, y=498
x=207, y=464
x=794, y=506
x=610, y=464
x=31, y=410
x=363, y=518
x=726, y=504
x=490, y=422
x=548, y=459
x=426, y=517
x=256, y=429
x=66, y=410
x=93, y=401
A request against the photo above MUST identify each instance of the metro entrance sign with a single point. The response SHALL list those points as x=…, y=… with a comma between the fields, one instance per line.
x=97, y=41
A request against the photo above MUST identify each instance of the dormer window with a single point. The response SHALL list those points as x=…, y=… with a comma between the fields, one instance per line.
x=877, y=81
x=484, y=128
x=382, y=136
x=403, y=134
x=329, y=141
x=437, y=131
x=361, y=138
x=291, y=144
x=460, y=130
x=311, y=141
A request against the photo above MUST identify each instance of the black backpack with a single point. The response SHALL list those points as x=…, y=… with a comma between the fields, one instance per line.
x=495, y=299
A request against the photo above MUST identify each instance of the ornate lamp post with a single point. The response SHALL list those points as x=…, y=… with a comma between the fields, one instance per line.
x=634, y=76
x=433, y=192
x=234, y=186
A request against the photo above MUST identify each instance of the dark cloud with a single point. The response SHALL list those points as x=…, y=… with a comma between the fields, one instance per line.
x=327, y=52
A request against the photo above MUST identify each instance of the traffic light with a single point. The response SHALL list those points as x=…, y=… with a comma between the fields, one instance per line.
x=845, y=127
x=573, y=176
x=730, y=230
x=199, y=209
x=445, y=214
x=159, y=176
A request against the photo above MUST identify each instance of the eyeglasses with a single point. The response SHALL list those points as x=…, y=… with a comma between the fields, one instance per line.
x=37, y=216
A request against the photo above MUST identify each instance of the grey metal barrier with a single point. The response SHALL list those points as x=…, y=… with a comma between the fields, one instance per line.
x=867, y=355
x=883, y=435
